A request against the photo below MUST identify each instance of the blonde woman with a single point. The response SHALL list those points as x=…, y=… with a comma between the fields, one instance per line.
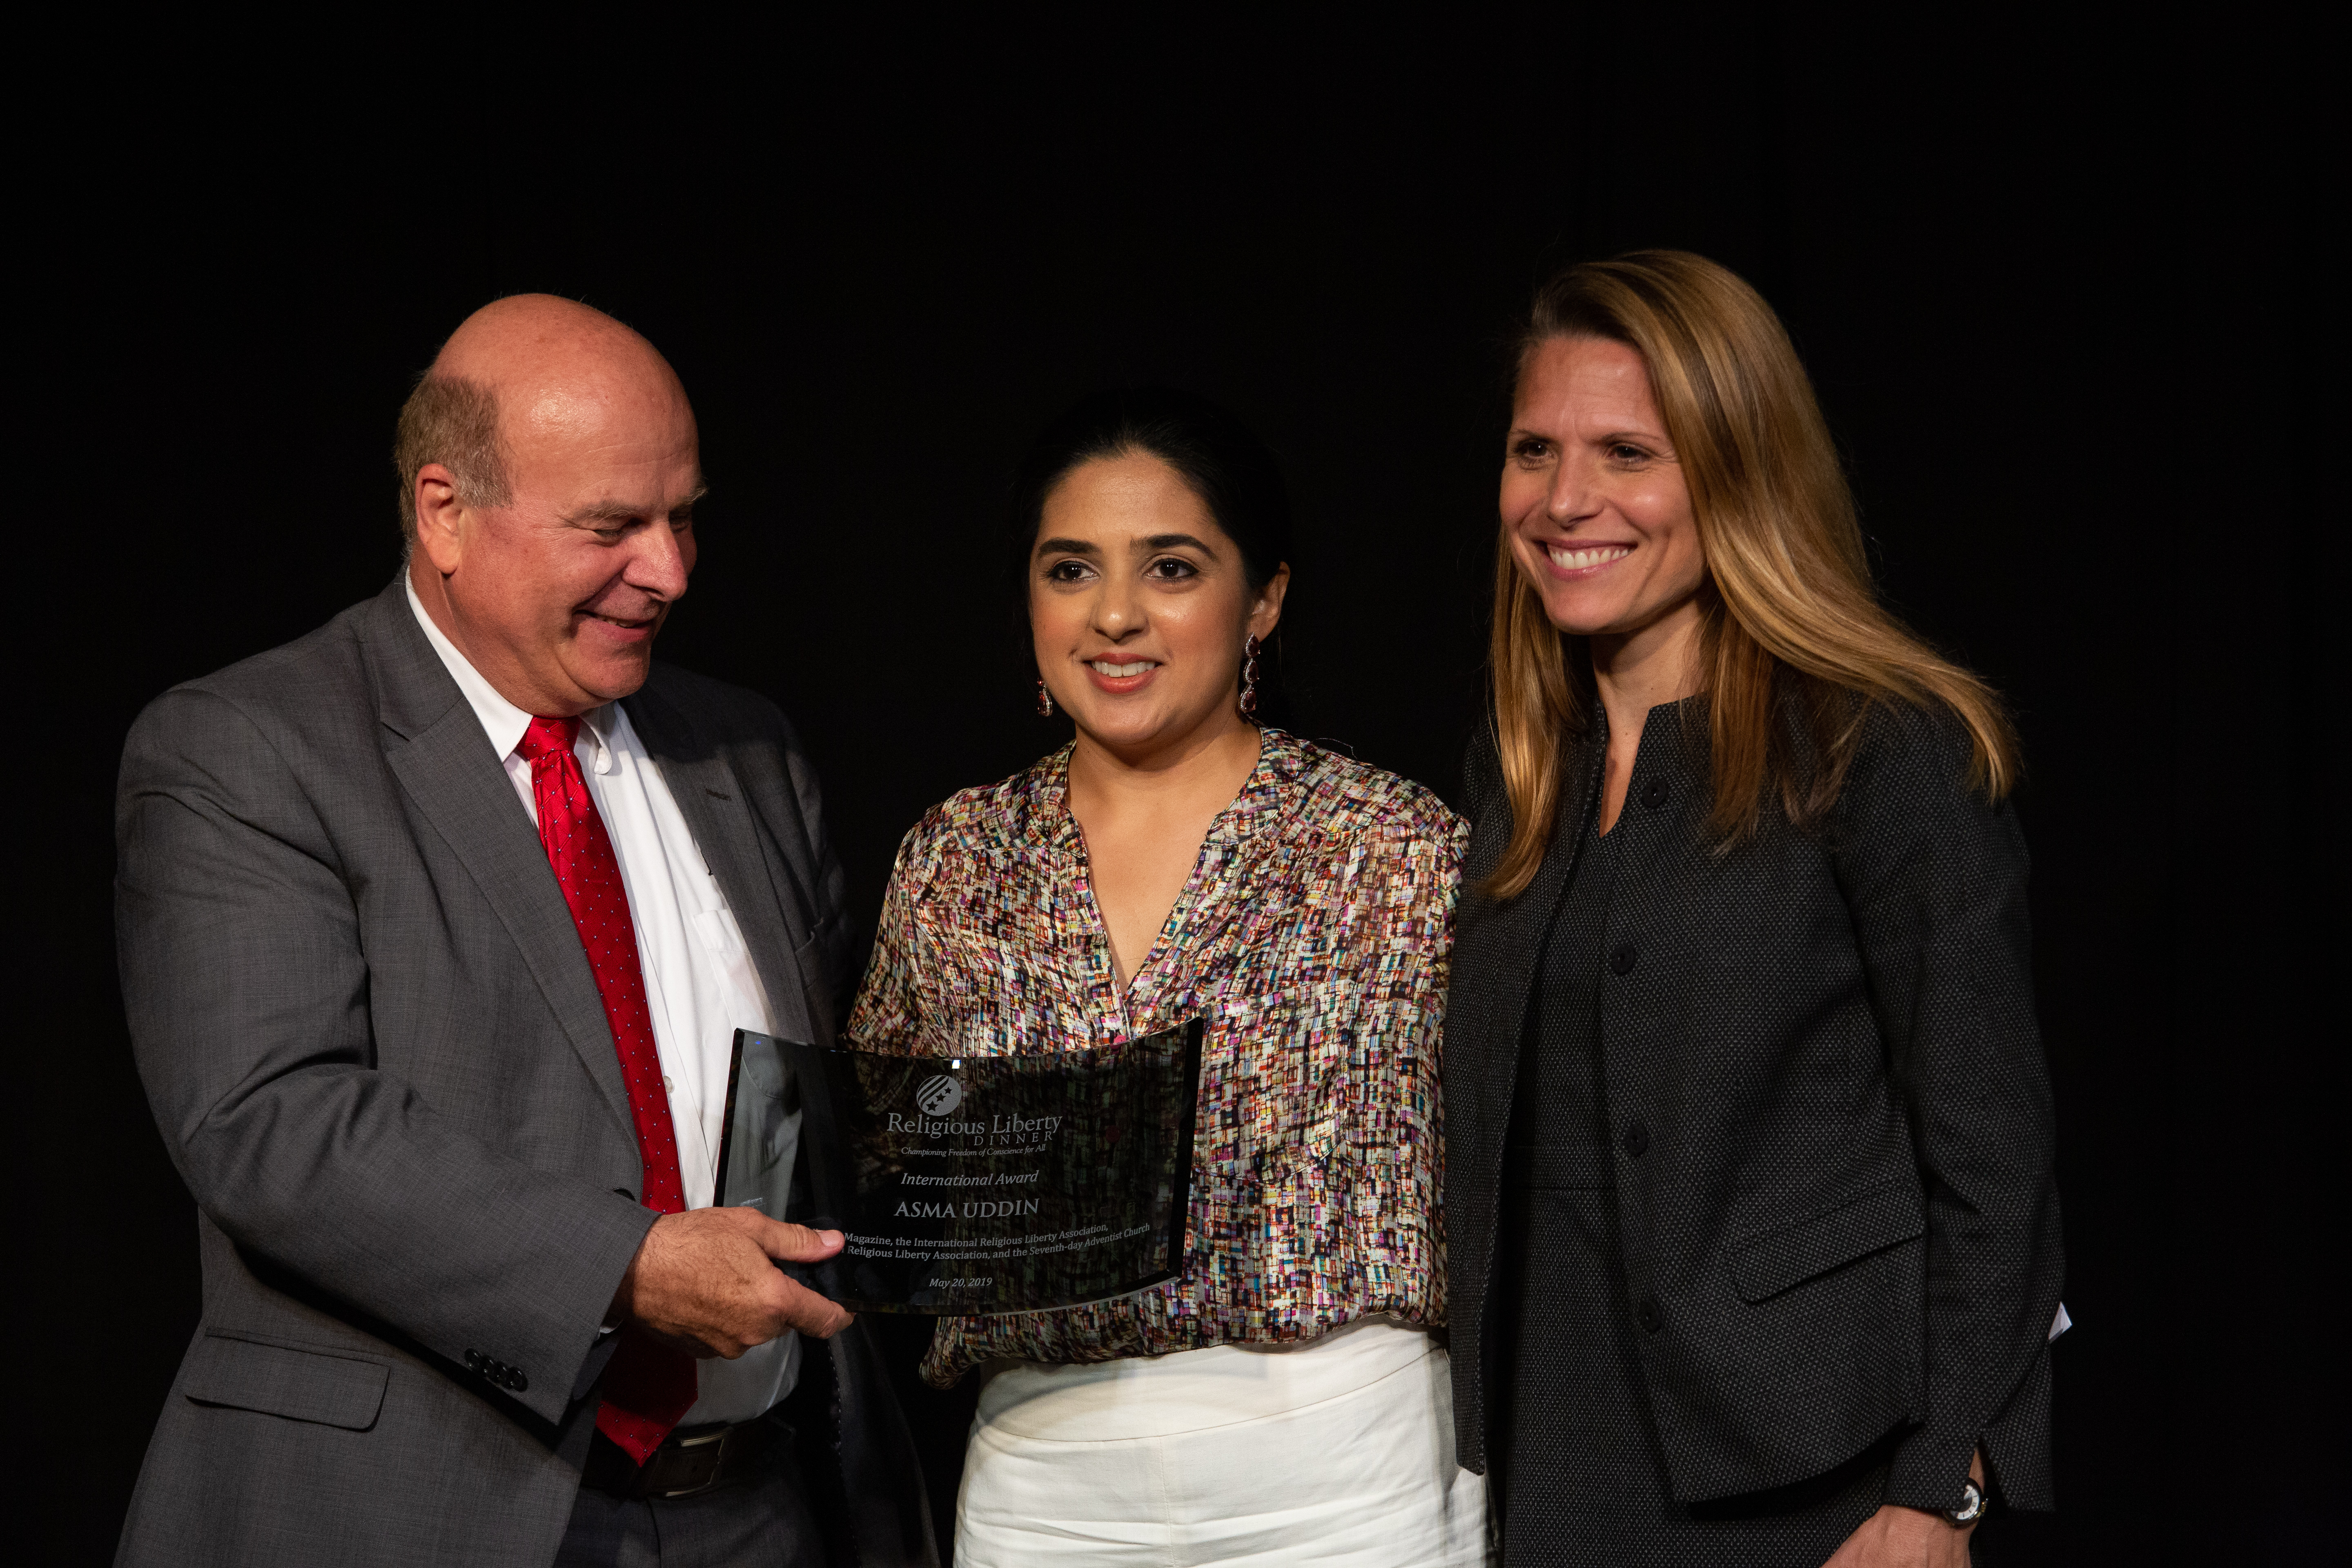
x=1285, y=1400
x=1755, y=1246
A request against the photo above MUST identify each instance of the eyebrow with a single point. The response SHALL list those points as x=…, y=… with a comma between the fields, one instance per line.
x=1143, y=546
x=1174, y=540
x=1627, y=435
x=621, y=511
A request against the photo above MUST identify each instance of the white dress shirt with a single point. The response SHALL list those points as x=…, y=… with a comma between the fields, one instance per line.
x=700, y=983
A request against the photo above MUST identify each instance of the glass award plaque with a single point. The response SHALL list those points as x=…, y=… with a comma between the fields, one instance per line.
x=972, y=1185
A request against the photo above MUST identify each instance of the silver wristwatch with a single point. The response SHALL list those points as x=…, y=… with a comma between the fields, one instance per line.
x=1973, y=1503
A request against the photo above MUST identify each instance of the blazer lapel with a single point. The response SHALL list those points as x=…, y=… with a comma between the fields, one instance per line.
x=437, y=749
x=717, y=811
x=1510, y=938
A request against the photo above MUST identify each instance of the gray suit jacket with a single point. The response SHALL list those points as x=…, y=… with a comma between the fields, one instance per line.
x=374, y=1046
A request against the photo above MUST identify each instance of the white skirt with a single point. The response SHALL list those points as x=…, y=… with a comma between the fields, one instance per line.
x=1338, y=1451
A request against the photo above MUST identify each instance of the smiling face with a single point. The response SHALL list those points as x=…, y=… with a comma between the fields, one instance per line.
x=557, y=596
x=1598, y=516
x=1138, y=604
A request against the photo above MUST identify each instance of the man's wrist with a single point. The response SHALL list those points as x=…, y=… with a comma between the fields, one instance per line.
x=617, y=1310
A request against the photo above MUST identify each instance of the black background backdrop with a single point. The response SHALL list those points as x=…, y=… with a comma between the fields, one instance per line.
x=2058, y=291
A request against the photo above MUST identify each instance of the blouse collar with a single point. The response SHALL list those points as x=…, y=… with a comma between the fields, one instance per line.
x=1271, y=794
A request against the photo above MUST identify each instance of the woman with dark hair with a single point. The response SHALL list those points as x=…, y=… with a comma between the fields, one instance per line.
x=1283, y=1400
x=1755, y=1246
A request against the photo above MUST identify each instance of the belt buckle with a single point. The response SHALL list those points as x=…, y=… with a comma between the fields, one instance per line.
x=692, y=1467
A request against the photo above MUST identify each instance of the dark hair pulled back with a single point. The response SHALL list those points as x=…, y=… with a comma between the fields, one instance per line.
x=1219, y=458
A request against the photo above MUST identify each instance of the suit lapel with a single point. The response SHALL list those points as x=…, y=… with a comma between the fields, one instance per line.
x=437, y=749
x=717, y=811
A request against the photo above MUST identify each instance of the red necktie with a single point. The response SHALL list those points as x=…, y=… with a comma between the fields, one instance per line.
x=648, y=1386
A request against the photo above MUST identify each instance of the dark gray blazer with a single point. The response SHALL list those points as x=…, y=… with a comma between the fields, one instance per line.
x=374, y=1046
x=1828, y=1111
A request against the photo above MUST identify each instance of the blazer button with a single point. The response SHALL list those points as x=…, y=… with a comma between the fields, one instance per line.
x=1654, y=794
x=515, y=1380
x=1622, y=961
x=1647, y=1315
x=475, y=1359
x=1637, y=1140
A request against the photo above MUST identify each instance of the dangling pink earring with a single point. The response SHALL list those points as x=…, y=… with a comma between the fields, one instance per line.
x=1045, y=699
x=1250, y=645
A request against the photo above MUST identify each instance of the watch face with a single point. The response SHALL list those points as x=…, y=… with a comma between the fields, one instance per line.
x=1972, y=1504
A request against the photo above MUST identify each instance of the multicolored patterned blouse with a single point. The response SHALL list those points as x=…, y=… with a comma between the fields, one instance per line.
x=1311, y=937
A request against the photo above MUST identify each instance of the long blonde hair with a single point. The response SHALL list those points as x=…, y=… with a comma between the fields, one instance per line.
x=1791, y=626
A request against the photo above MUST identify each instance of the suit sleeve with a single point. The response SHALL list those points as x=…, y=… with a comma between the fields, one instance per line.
x=1935, y=876
x=247, y=990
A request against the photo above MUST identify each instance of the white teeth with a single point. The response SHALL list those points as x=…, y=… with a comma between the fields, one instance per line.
x=1570, y=560
x=1114, y=672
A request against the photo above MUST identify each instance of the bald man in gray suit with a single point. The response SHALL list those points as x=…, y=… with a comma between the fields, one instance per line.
x=434, y=928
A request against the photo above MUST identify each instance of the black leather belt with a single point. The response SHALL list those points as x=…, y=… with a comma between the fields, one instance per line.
x=691, y=1460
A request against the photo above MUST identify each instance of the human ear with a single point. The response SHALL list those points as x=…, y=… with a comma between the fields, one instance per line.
x=440, y=517
x=1266, y=614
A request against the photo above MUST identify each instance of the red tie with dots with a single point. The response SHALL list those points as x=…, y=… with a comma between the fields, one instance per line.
x=648, y=1386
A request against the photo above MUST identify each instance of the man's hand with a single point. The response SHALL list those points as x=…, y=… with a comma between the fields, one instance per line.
x=706, y=1282
x=1898, y=1537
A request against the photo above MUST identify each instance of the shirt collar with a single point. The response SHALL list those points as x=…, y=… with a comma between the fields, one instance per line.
x=501, y=720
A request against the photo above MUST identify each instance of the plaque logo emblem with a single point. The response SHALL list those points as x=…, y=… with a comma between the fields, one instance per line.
x=939, y=1095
